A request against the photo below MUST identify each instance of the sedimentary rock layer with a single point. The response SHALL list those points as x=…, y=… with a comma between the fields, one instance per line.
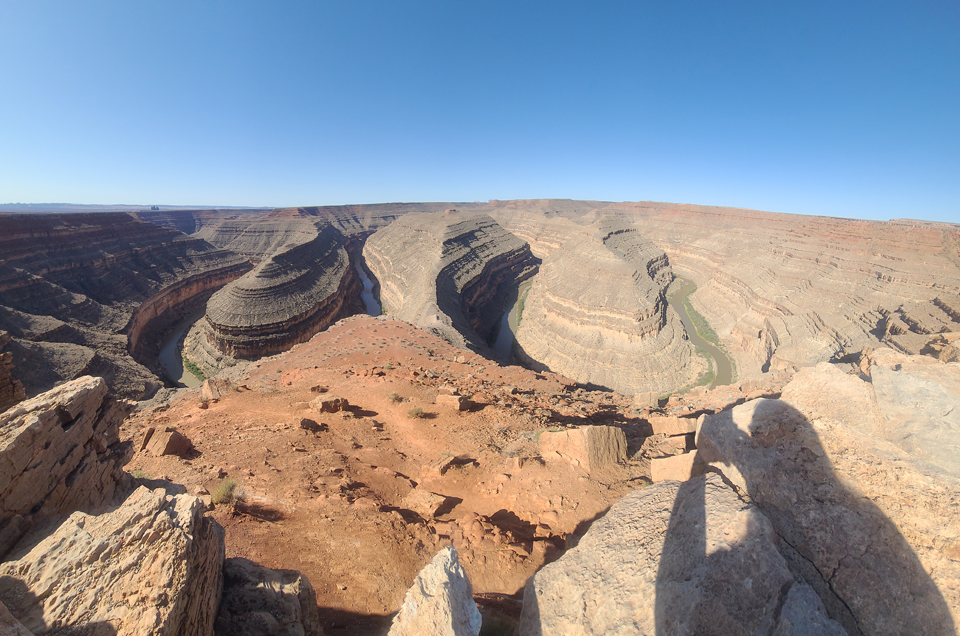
x=11, y=391
x=598, y=313
x=294, y=293
x=449, y=273
x=59, y=452
x=784, y=290
x=90, y=272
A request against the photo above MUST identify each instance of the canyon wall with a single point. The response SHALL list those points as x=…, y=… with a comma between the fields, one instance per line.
x=286, y=299
x=598, y=313
x=448, y=273
x=70, y=285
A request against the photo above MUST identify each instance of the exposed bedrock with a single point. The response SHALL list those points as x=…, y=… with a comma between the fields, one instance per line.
x=450, y=273
x=860, y=481
x=286, y=299
x=784, y=290
x=11, y=390
x=598, y=313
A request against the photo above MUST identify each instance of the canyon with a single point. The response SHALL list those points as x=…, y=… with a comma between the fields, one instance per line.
x=363, y=474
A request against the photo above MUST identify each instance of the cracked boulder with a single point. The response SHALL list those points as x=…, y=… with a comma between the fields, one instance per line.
x=675, y=559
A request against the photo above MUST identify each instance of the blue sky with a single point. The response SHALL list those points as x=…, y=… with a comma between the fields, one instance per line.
x=834, y=108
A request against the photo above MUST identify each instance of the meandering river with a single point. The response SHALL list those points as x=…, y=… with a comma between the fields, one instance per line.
x=373, y=307
x=170, y=351
x=503, y=346
x=721, y=363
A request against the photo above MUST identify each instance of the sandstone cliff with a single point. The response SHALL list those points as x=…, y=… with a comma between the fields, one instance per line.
x=448, y=273
x=11, y=391
x=90, y=272
x=785, y=290
x=598, y=313
x=290, y=296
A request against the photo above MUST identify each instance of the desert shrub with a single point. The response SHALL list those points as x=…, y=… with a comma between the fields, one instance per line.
x=139, y=474
x=193, y=369
x=224, y=492
x=416, y=413
x=394, y=397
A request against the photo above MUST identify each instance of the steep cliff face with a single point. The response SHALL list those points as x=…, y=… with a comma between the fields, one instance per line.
x=449, y=273
x=11, y=390
x=598, y=314
x=286, y=299
x=90, y=273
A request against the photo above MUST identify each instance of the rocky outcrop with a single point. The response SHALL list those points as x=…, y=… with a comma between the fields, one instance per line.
x=151, y=566
x=59, y=452
x=11, y=390
x=860, y=481
x=674, y=558
x=448, y=273
x=286, y=299
x=258, y=601
x=598, y=313
x=440, y=601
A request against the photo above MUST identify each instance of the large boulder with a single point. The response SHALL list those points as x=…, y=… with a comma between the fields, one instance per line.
x=60, y=452
x=440, y=601
x=587, y=447
x=151, y=566
x=258, y=601
x=852, y=476
x=674, y=558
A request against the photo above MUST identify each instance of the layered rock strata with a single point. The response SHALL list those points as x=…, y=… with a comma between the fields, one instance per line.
x=784, y=290
x=59, y=452
x=598, y=313
x=285, y=300
x=448, y=273
x=90, y=272
x=151, y=566
x=860, y=480
x=674, y=558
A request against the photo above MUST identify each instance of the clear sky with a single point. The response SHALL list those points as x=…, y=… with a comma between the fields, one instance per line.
x=836, y=108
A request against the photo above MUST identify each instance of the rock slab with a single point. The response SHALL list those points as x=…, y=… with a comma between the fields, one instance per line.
x=589, y=447
x=674, y=559
x=151, y=566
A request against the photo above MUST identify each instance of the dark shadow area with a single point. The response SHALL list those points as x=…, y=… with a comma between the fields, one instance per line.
x=28, y=609
x=837, y=541
x=448, y=506
x=344, y=623
x=258, y=510
x=361, y=412
x=509, y=521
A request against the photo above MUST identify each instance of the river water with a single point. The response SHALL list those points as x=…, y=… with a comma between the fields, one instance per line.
x=373, y=307
x=503, y=346
x=170, y=354
x=721, y=363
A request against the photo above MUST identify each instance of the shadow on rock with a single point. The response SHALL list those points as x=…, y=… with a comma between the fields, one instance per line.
x=834, y=540
x=27, y=609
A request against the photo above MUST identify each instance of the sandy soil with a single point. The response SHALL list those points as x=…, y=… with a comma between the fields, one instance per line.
x=331, y=501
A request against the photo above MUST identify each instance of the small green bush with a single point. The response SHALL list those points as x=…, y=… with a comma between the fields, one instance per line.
x=193, y=369
x=139, y=474
x=416, y=413
x=394, y=397
x=223, y=493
